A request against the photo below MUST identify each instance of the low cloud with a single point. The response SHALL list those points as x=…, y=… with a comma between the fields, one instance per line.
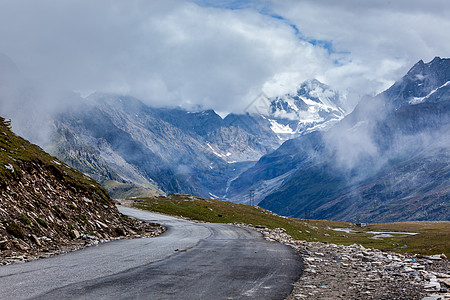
x=374, y=42
x=173, y=53
x=220, y=55
x=353, y=142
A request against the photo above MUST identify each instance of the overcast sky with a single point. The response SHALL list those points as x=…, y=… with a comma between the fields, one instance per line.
x=220, y=54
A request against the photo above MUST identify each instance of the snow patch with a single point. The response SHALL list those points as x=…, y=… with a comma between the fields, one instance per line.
x=291, y=104
x=215, y=152
x=314, y=106
x=418, y=100
x=392, y=232
x=280, y=128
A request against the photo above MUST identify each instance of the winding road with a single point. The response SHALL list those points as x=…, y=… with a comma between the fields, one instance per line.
x=189, y=261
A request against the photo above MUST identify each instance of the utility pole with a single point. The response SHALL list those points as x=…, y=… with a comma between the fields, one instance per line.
x=252, y=197
x=307, y=213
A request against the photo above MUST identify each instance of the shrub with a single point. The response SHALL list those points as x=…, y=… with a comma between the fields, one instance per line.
x=15, y=230
x=59, y=213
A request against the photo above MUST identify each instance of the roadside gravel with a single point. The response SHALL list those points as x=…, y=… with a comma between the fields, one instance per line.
x=135, y=229
x=354, y=272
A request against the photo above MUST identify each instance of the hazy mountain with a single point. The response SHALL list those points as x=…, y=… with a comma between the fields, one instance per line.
x=120, y=139
x=129, y=146
x=386, y=161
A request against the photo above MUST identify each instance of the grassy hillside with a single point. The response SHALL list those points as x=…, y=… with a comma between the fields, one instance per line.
x=432, y=237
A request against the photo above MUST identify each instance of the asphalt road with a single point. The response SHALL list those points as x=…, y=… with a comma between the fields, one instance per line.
x=188, y=261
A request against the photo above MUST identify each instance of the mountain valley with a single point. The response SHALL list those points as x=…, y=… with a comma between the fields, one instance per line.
x=120, y=139
x=302, y=150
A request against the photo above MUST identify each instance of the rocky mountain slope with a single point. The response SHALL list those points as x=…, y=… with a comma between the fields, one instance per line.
x=386, y=161
x=48, y=207
x=122, y=141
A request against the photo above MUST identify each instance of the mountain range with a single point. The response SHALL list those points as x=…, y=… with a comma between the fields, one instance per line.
x=121, y=141
x=386, y=161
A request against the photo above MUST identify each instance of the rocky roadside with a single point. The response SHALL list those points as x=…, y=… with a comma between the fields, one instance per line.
x=354, y=272
x=48, y=208
x=21, y=252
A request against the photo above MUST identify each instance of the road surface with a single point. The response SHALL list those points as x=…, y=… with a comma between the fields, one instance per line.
x=189, y=261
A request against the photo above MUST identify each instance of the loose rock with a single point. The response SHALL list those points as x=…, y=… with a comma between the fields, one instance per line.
x=354, y=272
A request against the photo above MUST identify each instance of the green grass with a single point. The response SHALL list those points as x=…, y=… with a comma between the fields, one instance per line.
x=25, y=219
x=41, y=222
x=433, y=237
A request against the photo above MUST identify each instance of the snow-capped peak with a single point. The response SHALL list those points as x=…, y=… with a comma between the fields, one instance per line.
x=313, y=105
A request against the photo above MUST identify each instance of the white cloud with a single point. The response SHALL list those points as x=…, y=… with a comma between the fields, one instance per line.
x=375, y=41
x=180, y=53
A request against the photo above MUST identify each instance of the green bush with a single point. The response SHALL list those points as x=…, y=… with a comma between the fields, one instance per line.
x=15, y=230
x=59, y=213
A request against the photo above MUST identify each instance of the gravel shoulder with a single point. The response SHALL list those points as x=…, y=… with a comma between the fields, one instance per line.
x=354, y=272
x=135, y=229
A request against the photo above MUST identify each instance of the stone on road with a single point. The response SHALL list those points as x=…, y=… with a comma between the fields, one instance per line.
x=189, y=261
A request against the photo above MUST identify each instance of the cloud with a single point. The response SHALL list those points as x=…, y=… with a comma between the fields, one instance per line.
x=175, y=53
x=218, y=55
x=374, y=42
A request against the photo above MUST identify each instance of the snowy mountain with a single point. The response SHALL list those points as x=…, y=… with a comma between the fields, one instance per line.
x=120, y=139
x=386, y=161
x=314, y=106
x=124, y=143
x=423, y=83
